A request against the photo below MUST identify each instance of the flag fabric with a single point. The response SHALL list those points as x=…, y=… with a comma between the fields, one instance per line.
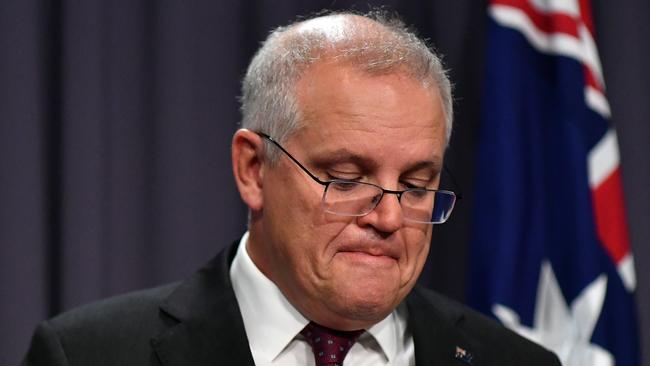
x=550, y=255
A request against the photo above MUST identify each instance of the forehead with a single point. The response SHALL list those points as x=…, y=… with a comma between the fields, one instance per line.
x=389, y=115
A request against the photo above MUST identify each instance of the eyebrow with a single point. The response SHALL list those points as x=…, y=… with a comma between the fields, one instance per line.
x=344, y=155
x=435, y=166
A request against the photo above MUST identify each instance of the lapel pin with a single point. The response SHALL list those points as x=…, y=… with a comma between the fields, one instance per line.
x=462, y=355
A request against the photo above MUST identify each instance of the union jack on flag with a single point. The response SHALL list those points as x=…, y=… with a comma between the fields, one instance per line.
x=550, y=253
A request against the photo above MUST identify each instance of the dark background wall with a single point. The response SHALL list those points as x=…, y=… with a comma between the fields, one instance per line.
x=115, y=126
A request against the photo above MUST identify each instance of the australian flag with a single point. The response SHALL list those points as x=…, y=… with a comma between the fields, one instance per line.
x=550, y=254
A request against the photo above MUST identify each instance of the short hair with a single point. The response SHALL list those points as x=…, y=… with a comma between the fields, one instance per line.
x=377, y=43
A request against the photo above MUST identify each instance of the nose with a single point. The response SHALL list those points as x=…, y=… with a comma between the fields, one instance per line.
x=386, y=217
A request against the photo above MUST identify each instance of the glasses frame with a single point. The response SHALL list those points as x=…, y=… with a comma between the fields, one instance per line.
x=398, y=193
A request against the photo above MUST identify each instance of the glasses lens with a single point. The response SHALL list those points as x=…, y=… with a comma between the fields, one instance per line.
x=358, y=199
x=427, y=206
x=350, y=198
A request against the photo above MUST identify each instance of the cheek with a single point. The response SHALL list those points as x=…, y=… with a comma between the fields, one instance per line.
x=289, y=204
x=287, y=222
x=306, y=233
x=319, y=241
x=306, y=267
x=417, y=243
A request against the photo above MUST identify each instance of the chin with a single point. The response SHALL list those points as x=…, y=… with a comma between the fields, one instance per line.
x=371, y=312
x=369, y=301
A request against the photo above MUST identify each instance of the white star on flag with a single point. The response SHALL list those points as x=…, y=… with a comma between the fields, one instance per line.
x=566, y=331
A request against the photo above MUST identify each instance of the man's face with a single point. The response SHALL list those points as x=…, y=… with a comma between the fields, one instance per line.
x=350, y=272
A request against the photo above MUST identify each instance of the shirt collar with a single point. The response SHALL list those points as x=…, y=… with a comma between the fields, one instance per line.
x=389, y=331
x=270, y=328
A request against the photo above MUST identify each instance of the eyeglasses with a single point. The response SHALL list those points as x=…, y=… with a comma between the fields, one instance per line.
x=352, y=198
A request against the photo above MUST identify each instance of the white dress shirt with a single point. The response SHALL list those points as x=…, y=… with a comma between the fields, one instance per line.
x=273, y=325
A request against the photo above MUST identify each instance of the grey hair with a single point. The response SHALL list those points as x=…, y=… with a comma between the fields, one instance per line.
x=374, y=43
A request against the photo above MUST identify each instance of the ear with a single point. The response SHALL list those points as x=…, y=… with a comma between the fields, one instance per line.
x=247, y=159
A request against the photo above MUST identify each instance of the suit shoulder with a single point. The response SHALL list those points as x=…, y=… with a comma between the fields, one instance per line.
x=99, y=332
x=124, y=320
x=114, y=310
x=498, y=342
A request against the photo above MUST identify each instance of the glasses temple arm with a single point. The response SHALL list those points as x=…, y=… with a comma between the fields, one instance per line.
x=459, y=194
x=269, y=138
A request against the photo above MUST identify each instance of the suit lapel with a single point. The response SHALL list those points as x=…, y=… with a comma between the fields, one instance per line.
x=437, y=334
x=205, y=324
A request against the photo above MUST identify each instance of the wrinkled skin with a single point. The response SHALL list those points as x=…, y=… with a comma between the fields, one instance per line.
x=344, y=272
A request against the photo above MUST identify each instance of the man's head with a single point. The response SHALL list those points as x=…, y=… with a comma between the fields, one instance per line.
x=351, y=98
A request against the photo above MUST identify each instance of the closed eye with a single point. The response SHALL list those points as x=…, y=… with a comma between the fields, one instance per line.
x=343, y=185
x=415, y=185
x=343, y=177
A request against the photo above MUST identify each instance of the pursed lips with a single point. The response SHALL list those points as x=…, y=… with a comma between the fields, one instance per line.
x=382, y=250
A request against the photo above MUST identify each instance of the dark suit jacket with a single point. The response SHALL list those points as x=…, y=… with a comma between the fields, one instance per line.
x=197, y=322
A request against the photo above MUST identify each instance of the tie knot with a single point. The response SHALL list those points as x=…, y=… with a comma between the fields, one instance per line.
x=330, y=346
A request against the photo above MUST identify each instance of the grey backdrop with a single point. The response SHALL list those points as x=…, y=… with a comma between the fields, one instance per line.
x=115, y=125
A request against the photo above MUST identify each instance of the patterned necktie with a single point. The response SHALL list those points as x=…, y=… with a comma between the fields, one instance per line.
x=329, y=346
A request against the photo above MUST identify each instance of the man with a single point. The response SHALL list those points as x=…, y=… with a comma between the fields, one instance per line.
x=345, y=124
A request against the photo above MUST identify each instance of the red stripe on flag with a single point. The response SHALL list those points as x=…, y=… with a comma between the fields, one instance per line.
x=545, y=22
x=591, y=80
x=609, y=211
x=585, y=14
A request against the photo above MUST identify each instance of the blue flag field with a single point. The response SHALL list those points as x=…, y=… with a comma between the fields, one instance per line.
x=550, y=253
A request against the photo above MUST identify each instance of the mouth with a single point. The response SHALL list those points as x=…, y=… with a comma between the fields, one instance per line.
x=376, y=256
x=364, y=259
